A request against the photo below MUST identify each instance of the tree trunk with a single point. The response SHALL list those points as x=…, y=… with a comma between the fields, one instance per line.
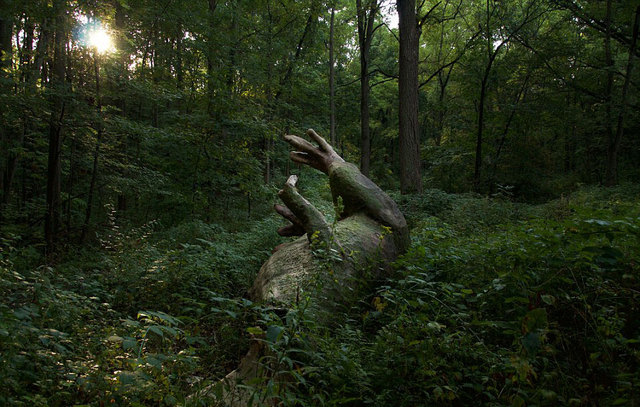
x=52, y=216
x=478, y=161
x=39, y=65
x=26, y=88
x=179, y=63
x=366, y=18
x=213, y=4
x=491, y=55
x=520, y=97
x=6, y=29
x=611, y=177
x=70, y=179
x=332, y=80
x=443, y=81
x=410, y=180
x=96, y=153
x=608, y=94
x=6, y=56
x=231, y=67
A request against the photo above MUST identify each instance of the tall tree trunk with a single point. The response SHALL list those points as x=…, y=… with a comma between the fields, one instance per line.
x=443, y=80
x=26, y=88
x=520, y=97
x=608, y=94
x=231, y=67
x=366, y=18
x=6, y=30
x=285, y=83
x=52, y=216
x=611, y=177
x=155, y=76
x=179, y=63
x=70, y=179
x=441, y=111
x=332, y=80
x=42, y=50
x=96, y=152
x=6, y=56
x=477, y=169
x=266, y=146
x=410, y=180
x=213, y=4
x=491, y=55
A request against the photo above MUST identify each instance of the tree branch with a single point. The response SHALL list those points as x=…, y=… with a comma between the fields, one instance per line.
x=424, y=18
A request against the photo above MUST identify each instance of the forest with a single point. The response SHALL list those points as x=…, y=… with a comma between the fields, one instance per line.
x=142, y=153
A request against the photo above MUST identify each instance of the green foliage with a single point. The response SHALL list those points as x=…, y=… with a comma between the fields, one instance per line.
x=496, y=303
x=77, y=334
x=538, y=309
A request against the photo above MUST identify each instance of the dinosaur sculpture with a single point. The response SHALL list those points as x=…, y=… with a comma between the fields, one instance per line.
x=370, y=231
x=327, y=260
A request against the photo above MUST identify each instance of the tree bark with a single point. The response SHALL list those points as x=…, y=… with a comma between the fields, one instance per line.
x=477, y=169
x=96, y=153
x=52, y=216
x=6, y=29
x=213, y=4
x=332, y=80
x=179, y=63
x=611, y=177
x=26, y=88
x=409, y=131
x=366, y=18
x=608, y=94
x=6, y=57
x=520, y=97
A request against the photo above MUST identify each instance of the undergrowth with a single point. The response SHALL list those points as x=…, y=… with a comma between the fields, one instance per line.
x=496, y=303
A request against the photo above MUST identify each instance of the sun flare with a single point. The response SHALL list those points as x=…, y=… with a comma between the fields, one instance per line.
x=100, y=39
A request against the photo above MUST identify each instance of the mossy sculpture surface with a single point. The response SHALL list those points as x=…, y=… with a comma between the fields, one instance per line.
x=329, y=259
x=369, y=233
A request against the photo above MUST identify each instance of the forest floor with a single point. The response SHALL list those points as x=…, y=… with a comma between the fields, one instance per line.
x=496, y=303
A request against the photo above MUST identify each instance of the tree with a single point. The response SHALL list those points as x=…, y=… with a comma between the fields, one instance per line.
x=611, y=176
x=52, y=217
x=96, y=154
x=332, y=80
x=494, y=43
x=409, y=132
x=6, y=58
x=366, y=14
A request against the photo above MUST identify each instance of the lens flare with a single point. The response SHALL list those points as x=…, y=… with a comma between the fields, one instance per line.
x=100, y=39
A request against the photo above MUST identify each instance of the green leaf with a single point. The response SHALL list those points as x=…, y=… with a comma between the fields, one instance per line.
x=548, y=299
x=273, y=333
x=536, y=319
x=171, y=331
x=517, y=401
x=126, y=378
x=531, y=343
x=154, y=362
x=255, y=330
x=129, y=343
x=156, y=330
